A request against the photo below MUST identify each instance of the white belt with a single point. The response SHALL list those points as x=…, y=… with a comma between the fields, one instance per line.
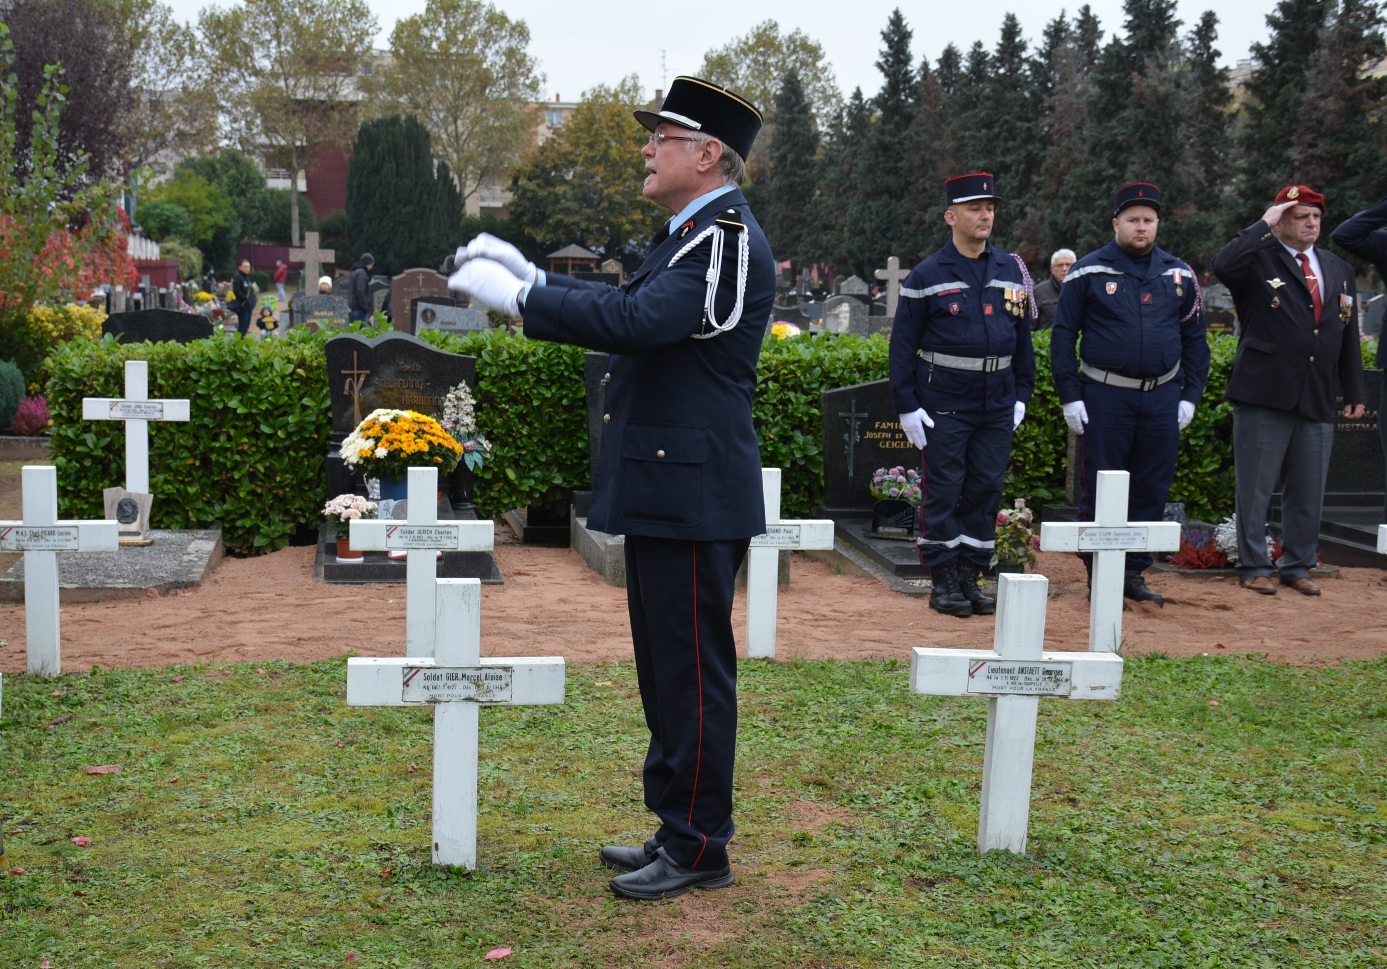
x=983, y=364
x=1128, y=383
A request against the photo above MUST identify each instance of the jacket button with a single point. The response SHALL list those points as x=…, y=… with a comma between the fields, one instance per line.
x=607, y=377
x=1312, y=359
x=606, y=418
x=1317, y=332
x=661, y=453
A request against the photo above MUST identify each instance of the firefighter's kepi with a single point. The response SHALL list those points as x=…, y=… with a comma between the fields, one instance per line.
x=962, y=369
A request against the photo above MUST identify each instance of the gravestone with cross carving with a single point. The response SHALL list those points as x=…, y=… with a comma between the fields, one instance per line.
x=131, y=505
x=893, y=275
x=762, y=565
x=313, y=256
x=456, y=682
x=1013, y=675
x=1109, y=537
x=422, y=536
x=40, y=536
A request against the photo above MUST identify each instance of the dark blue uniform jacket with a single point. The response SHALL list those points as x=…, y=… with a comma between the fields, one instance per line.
x=941, y=311
x=679, y=458
x=1365, y=236
x=1134, y=324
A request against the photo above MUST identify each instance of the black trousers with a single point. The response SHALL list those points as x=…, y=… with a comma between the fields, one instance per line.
x=965, y=468
x=243, y=321
x=679, y=594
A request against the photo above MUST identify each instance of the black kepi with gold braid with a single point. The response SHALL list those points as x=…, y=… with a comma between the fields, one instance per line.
x=707, y=107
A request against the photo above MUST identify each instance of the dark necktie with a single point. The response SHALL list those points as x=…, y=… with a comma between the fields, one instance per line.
x=1313, y=283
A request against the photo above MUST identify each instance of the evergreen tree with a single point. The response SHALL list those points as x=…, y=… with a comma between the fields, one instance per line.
x=843, y=158
x=787, y=190
x=402, y=204
x=1205, y=163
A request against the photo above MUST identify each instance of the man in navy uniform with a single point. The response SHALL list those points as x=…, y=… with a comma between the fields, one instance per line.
x=1365, y=236
x=962, y=365
x=1145, y=362
x=679, y=473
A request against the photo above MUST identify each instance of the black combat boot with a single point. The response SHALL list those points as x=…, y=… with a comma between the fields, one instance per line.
x=944, y=593
x=1134, y=588
x=968, y=586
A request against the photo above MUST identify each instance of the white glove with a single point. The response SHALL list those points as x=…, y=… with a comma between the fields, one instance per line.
x=914, y=425
x=487, y=246
x=1018, y=414
x=1076, y=416
x=1186, y=414
x=490, y=283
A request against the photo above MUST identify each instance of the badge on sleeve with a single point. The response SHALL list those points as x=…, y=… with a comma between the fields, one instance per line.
x=1111, y=288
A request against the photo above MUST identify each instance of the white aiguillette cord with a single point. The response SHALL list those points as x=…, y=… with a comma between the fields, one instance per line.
x=715, y=273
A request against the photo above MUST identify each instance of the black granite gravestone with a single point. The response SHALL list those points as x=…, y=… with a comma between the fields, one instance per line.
x=447, y=318
x=1355, y=464
x=157, y=326
x=320, y=310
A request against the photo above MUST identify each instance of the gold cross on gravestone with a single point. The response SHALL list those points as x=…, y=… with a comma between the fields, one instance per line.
x=894, y=275
x=355, y=378
x=312, y=258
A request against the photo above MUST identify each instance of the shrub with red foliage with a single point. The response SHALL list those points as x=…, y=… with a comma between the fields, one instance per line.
x=1199, y=554
x=32, y=417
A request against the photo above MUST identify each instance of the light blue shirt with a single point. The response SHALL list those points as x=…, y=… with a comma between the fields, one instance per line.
x=697, y=204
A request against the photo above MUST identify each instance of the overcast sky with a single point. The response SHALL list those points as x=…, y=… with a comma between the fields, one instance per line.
x=579, y=46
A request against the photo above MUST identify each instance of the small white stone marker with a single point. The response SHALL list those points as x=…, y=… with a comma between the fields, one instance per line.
x=1014, y=675
x=423, y=536
x=456, y=682
x=1382, y=539
x=1109, y=537
x=137, y=410
x=763, y=563
x=40, y=536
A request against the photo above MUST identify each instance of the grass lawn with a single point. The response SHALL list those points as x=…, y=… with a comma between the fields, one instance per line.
x=1224, y=812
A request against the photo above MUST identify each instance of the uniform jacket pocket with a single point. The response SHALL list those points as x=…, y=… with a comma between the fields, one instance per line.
x=662, y=473
x=1257, y=343
x=1106, y=359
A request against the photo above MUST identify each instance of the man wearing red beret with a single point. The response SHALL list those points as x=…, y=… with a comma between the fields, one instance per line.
x=1298, y=330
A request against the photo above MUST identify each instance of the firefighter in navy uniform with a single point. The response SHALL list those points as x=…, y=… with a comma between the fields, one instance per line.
x=679, y=472
x=962, y=366
x=1144, y=363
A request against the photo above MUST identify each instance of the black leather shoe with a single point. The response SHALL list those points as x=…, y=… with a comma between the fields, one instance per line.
x=968, y=585
x=623, y=858
x=944, y=594
x=662, y=878
x=1134, y=588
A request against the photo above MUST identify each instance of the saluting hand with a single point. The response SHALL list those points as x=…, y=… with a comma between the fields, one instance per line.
x=914, y=425
x=1273, y=214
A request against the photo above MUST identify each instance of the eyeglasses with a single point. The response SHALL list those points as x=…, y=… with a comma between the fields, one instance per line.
x=658, y=138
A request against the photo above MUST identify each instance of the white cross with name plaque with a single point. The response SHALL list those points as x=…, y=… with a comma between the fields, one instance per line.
x=763, y=561
x=423, y=536
x=136, y=410
x=1109, y=537
x=456, y=683
x=41, y=536
x=1013, y=675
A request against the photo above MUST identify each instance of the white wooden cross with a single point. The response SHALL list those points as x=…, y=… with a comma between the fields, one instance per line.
x=40, y=536
x=763, y=564
x=1013, y=675
x=1110, y=536
x=456, y=682
x=1382, y=539
x=894, y=275
x=423, y=536
x=137, y=410
x=312, y=258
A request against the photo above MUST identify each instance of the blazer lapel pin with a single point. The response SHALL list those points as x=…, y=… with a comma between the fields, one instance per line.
x=1275, y=283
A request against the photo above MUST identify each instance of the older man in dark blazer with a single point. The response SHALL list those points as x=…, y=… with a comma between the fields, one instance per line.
x=1295, y=306
x=679, y=472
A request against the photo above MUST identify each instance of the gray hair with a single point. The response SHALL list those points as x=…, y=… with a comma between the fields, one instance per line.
x=1061, y=254
x=732, y=167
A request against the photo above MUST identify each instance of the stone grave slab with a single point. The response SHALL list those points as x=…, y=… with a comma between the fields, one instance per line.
x=432, y=313
x=157, y=326
x=174, y=559
x=857, y=288
x=845, y=314
x=320, y=310
x=409, y=286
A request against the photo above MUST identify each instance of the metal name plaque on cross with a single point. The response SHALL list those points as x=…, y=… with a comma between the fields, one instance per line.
x=449, y=684
x=39, y=538
x=137, y=410
x=777, y=536
x=422, y=537
x=1025, y=678
x=1100, y=539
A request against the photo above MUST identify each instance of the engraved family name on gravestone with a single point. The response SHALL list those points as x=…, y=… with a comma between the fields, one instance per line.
x=447, y=317
x=862, y=432
x=396, y=370
x=320, y=310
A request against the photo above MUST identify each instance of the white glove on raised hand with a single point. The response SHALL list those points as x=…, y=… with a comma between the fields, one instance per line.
x=1076, y=416
x=1186, y=414
x=490, y=283
x=914, y=425
x=1018, y=414
x=487, y=246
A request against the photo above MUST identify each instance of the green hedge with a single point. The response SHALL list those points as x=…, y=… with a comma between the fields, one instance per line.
x=251, y=461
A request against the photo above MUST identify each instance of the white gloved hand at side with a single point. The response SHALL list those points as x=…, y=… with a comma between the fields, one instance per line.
x=1018, y=414
x=1076, y=416
x=914, y=425
x=490, y=283
x=1186, y=414
x=487, y=246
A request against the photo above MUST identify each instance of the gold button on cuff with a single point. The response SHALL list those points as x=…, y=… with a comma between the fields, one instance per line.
x=660, y=454
x=606, y=418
